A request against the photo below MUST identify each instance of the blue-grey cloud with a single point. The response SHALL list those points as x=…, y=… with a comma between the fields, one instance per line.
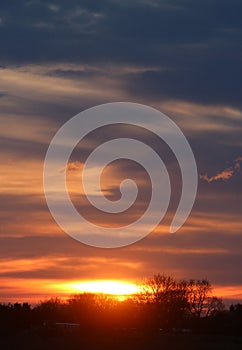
x=196, y=45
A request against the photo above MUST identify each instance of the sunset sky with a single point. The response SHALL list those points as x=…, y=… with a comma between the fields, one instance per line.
x=57, y=59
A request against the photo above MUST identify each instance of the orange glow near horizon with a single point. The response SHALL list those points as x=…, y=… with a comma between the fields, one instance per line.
x=35, y=290
x=45, y=289
x=110, y=287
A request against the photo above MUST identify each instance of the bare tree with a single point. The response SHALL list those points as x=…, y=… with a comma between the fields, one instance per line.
x=201, y=302
x=167, y=299
x=174, y=299
x=156, y=288
x=214, y=305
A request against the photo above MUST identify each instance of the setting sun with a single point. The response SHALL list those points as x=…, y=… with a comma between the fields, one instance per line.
x=112, y=287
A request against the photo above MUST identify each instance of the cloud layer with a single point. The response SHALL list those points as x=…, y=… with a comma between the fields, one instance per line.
x=181, y=57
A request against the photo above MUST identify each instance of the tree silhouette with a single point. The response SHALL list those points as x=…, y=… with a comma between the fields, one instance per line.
x=167, y=298
x=172, y=302
x=201, y=302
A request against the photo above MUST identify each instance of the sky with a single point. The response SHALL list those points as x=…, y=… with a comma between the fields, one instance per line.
x=57, y=59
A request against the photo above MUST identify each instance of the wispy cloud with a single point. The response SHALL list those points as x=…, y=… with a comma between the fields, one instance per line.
x=224, y=174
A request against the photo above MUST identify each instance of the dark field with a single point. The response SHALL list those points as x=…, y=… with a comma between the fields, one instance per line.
x=37, y=341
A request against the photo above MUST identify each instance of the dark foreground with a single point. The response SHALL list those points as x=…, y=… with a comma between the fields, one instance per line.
x=35, y=340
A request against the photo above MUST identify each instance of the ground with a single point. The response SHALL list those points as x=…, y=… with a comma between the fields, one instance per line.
x=35, y=340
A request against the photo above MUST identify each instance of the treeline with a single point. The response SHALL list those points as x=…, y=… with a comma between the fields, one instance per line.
x=163, y=304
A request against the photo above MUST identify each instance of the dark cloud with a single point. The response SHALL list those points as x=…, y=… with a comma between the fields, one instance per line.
x=199, y=80
x=198, y=43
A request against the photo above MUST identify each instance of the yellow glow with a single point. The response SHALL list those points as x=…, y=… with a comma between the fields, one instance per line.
x=106, y=287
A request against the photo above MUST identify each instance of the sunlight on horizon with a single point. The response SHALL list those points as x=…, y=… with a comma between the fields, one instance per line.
x=112, y=287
